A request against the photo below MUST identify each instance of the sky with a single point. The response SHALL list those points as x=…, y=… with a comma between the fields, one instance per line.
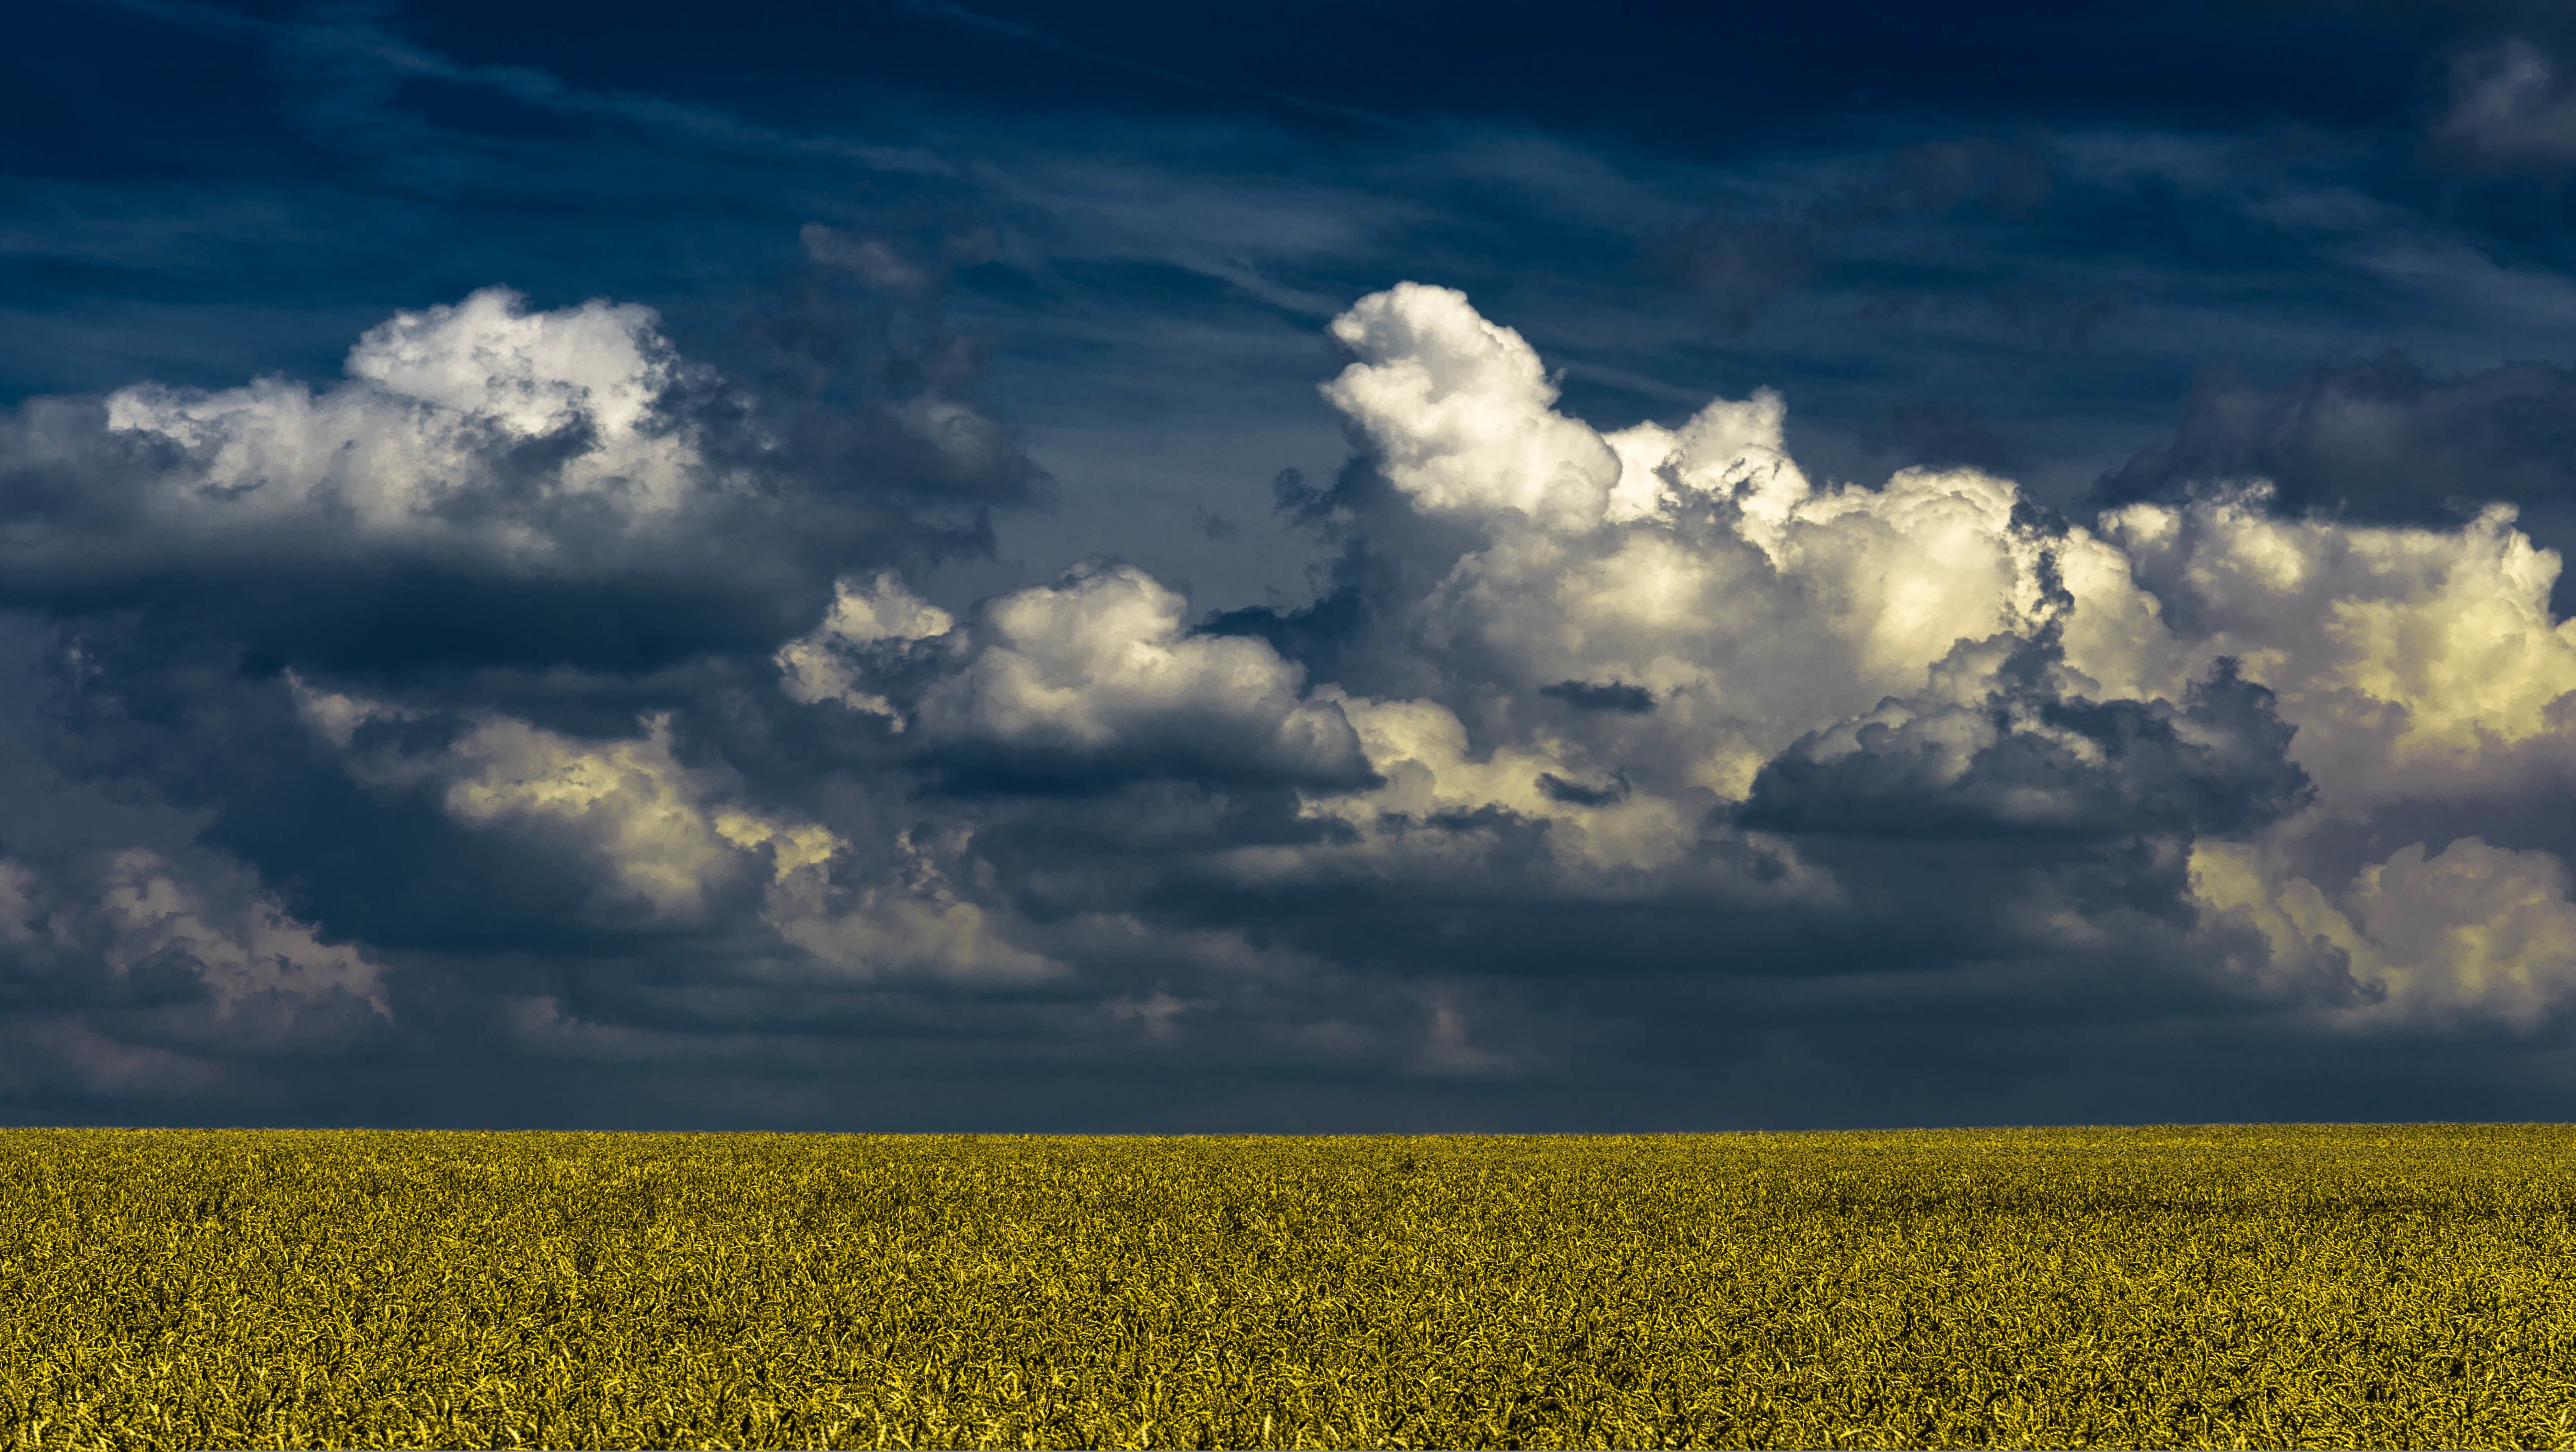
x=900, y=565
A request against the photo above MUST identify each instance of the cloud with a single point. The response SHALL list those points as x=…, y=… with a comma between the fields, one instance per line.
x=1460, y=411
x=630, y=804
x=2411, y=660
x=1926, y=659
x=1602, y=696
x=1095, y=673
x=2471, y=938
x=132, y=962
x=663, y=842
x=2381, y=441
x=1588, y=734
x=2509, y=107
x=917, y=925
x=494, y=483
x=659, y=834
x=871, y=624
x=2024, y=760
x=528, y=440
x=874, y=260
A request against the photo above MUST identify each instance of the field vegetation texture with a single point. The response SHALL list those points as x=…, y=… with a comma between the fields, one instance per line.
x=2315, y=1287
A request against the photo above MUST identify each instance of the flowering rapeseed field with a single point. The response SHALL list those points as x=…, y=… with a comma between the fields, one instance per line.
x=2283, y=1287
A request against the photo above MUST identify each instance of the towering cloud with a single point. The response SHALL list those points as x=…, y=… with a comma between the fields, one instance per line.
x=1592, y=734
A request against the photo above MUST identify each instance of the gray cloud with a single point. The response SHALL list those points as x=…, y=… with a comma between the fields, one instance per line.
x=2024, y=761
x=2385, y=439
x=2509, y=107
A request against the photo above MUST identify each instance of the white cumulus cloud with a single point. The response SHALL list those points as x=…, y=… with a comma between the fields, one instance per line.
x=1099, y=669
x=482, y=427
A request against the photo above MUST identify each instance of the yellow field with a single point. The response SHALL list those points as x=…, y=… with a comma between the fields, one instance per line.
x=2308, y=1287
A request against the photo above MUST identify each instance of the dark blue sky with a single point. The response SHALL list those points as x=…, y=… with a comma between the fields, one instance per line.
x=656, y=694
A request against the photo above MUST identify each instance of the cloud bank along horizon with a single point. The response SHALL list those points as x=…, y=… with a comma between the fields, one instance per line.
x=563, y=736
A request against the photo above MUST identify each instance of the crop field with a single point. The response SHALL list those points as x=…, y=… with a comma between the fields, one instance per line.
x=2281, y=1287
